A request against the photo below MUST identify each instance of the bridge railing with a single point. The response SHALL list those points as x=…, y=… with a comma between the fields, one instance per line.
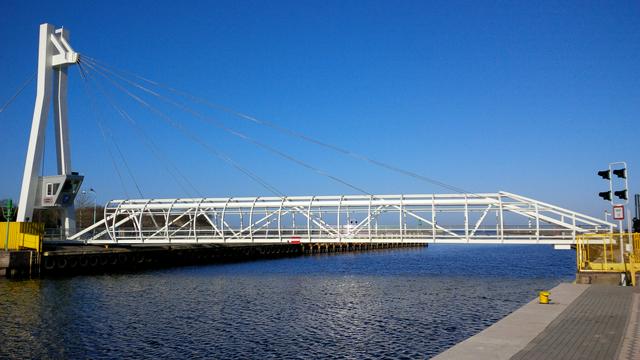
x=429, y=218
x=609, y=252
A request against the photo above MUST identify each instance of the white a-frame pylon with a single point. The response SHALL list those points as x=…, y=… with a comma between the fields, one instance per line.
x=54, y=57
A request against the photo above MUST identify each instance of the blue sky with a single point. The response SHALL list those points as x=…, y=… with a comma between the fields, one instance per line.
x=527, y=97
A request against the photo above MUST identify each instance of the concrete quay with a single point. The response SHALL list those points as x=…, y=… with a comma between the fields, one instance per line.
x=582, y=322
x=19, y=263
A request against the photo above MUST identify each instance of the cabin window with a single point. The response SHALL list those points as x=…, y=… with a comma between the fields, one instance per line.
x=52, y=189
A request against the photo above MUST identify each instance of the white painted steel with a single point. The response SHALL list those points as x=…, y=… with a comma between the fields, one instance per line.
x=432, y=218
x=35, y=150
x=54, y=56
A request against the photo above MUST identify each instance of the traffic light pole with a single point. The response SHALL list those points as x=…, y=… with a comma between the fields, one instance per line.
x=621, y=241
x=621, y=194
x=624, y=176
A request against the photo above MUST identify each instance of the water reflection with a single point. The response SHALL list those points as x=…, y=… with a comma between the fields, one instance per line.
x=398, y=304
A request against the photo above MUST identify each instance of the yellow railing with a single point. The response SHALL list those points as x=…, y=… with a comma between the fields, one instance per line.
x=636, y=245
x=601, y=253
x=22, y=235
x=634, y=258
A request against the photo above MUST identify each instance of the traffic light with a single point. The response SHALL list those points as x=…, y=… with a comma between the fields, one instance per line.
x=606, y=195
x=621, y=173
x=606, y=174
x=618, y=186
x=622, y=194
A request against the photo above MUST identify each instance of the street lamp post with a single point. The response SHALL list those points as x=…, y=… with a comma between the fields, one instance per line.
x=81, y=209
x=94, y=202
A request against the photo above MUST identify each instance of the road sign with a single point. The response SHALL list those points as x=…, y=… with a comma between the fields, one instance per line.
x=618, y=212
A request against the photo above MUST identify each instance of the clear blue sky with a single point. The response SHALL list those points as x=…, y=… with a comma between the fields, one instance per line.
x=527, y=97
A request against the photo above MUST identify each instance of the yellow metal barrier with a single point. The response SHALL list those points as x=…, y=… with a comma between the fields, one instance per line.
x=22, y=235
x=601, y=253
x=634, y=258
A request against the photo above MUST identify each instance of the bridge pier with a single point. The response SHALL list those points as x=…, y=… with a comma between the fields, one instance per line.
x=19, y=263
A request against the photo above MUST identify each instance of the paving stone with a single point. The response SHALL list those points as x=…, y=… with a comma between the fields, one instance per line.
x=592, y=327
x=508, y=336
x=630, y=349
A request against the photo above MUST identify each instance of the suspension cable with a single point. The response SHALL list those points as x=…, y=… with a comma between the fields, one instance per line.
x=107, y=134
x=196, y=139
x=242, y=136
x=284, y=130
x=153, y=148
x=104, y=136
x=11, y=99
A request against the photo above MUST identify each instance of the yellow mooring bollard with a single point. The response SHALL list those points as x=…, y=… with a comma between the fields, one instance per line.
x=544, y=297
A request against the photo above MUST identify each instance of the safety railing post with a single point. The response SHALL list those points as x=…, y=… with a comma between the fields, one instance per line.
x=338, y=219
x=401, y=220
x=466, y=218
x=501, y=215
x=280, y=219
x=370, y=218
x=433, y=218
x=309, y=219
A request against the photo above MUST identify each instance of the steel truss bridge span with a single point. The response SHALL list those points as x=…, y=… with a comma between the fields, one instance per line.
x=434, y=218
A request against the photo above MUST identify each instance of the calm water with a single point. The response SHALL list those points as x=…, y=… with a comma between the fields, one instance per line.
x=406, y=303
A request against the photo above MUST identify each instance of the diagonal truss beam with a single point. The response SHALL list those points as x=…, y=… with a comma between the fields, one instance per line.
x=442, y=218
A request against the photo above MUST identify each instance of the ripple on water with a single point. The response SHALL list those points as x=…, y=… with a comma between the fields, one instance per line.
x=403, y=304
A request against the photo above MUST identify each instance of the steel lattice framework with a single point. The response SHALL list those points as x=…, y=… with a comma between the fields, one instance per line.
x=435, y=218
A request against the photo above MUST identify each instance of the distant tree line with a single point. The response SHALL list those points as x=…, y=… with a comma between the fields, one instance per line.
x=52, y=217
